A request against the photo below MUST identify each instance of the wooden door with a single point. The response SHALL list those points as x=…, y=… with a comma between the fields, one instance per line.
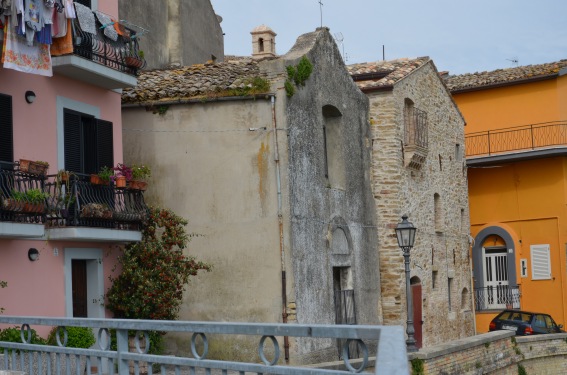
x=79, y=287
x=417, y=317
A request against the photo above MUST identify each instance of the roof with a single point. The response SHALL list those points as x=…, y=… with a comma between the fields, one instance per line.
x=193, y=82
x=384, y=74
x=262, y=29
x=499, y=77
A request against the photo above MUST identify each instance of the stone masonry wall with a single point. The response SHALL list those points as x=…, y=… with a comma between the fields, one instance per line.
x=440, y=257
x=494, y=353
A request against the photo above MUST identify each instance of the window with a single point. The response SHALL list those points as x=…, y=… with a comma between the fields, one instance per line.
x=6, y=129
x=334, y=159
x=541, y=267
x=86, y=3
x=415, y=121
x=261, y=45
x=438, y=212
x=88, y=143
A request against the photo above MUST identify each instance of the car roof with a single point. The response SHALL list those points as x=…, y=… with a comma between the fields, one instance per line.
x=523, y=312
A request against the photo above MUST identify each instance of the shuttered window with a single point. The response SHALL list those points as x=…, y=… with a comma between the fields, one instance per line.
x=541, y=262
x=6, y=129
x=86, y=3
x=88, y=143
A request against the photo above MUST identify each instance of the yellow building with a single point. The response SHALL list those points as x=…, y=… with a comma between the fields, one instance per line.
x=516, y=147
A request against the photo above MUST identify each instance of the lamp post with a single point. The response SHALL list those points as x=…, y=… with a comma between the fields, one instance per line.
x=405, y=231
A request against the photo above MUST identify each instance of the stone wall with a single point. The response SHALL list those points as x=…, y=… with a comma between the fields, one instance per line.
x=440, y=258
x=495, y=353
x=182, y=32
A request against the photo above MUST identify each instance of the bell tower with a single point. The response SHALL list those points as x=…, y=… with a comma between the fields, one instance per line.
x=263, y=42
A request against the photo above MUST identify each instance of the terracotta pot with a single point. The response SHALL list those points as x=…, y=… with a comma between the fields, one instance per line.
x=120, y=181
x=133, y=62
x=138, y=185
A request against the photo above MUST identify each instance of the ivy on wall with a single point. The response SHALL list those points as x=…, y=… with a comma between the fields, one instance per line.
x=297, y=75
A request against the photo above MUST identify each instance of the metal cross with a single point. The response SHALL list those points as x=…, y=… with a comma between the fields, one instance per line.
x=321, y=10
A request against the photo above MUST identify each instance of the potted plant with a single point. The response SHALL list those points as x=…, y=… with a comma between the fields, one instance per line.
x=122, y=174
x=134, y=60
x=102, y=177
x=37, y=167
x=139, y=175
x=32, y=200
x=96, y=210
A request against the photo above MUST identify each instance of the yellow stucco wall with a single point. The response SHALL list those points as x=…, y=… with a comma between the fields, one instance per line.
x=527, y=198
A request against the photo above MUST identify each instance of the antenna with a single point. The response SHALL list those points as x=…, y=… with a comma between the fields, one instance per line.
x=321, y=10
x=339, y=38
x=514, y=60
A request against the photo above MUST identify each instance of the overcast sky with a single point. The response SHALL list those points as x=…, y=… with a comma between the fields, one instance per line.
x=460, y=36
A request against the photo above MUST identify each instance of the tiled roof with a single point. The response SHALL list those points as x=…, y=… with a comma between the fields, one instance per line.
x=192, y=82
x=381, y=74
x=503, y=76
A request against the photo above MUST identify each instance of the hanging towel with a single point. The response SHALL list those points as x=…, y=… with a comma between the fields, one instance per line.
x=86, y=18
x=63, y=45
x=44, y=35
x=70, y=9
x=19, y=56
x=106, y=22
x=59, y=25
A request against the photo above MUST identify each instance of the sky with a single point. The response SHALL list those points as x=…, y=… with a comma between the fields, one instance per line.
x=460, y=36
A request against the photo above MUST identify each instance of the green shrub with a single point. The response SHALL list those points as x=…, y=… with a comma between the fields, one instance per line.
x=13, y=334
x=417, y=366
x=522, y=370
x=77, y=337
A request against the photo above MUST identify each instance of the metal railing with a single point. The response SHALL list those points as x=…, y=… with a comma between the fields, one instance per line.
x=415, y=127
x=27, y=197
x=497, y=297
x=22, y=195
x=78, y=202
x=521, y=138
x=105, y=51
x=34, y=359
x=345, y=313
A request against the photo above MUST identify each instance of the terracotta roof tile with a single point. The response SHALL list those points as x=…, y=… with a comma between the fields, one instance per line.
x=383, y=73
x=192, y=82
x=503, y=76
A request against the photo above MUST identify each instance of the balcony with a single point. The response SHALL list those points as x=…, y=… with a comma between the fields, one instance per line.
x=49, y=207
x=497, y=297
x=99, y=60
x=517, y=143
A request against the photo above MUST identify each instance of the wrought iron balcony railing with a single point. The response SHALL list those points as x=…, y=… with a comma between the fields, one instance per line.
x=32, y=198
x=23, y=199
x=515, y=139
x=122, y=55
x=497, y=297
x=78, y=202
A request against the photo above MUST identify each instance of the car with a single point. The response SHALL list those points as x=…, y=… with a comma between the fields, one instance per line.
x=525, y=323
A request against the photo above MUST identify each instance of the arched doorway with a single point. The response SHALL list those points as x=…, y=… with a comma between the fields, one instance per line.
x=417, y=310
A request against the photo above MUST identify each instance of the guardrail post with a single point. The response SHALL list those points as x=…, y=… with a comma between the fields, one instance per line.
x=122, y=347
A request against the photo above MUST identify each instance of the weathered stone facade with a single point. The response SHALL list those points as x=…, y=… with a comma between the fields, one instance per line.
x=433, y=195
x=286, y=221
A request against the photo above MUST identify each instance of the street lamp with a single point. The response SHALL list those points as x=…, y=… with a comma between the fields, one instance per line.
x=405, y=231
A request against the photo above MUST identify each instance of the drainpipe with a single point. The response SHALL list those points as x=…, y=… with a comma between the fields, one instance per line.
x=280, y=226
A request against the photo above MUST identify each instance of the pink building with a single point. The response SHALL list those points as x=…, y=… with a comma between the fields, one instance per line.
x=57, y=255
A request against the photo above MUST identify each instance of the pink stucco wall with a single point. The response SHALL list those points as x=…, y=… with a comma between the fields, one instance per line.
x=35, y=130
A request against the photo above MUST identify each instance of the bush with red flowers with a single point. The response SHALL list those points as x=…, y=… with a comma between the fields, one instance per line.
x=155, y=271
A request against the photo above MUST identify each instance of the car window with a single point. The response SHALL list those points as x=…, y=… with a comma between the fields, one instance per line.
x=539, y=321
x=526, y=317
x=506, y=315
x=549, y=322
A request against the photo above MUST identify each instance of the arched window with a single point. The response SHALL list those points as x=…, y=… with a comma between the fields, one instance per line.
x=260, y=44
x=334, y=158
x=339, y=242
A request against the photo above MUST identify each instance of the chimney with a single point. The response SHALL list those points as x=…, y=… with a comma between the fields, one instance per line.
x=263, y=42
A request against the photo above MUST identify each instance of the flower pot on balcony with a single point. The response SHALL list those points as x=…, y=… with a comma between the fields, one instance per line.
x=33, y=167
x=34, y=208
x=133, y=62
x=137, y=185
x=120, y=181
x=11, y=204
